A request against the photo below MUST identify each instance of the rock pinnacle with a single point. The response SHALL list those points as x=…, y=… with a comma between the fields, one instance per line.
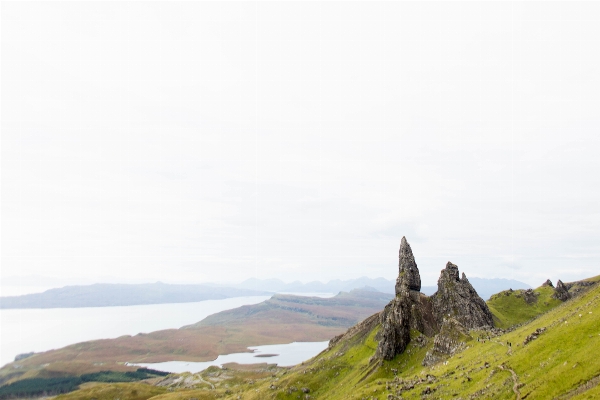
x=408, y=272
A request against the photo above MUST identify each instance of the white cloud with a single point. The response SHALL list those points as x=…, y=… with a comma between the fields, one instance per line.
x=217, y=141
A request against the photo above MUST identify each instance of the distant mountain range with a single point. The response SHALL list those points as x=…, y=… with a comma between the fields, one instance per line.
x=485, y=287
x=335, y=286
x=108, y=294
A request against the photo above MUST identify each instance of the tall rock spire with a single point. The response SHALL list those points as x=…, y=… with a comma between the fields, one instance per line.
x=455, y=304
x=402, y=312
x=408, y=275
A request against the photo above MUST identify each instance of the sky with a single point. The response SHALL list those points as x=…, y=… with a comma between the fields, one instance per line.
x=217, y=141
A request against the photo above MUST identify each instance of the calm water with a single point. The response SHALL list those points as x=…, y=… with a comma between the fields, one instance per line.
x=22, y=331
x=285, y=355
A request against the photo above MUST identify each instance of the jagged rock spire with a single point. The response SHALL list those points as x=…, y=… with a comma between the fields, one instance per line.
x=458, y=299
x=408, y=275
x=548, y=283
x=561, y=292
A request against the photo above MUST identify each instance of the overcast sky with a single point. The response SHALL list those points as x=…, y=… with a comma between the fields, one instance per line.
x=192, y=142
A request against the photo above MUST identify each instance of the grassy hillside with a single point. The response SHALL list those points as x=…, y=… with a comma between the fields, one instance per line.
x=560, y=363
x=552, y=356
x=557, y=364
x=511, y=307
x=106, y=391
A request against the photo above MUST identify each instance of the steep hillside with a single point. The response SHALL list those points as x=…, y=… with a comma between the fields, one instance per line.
x=513, y=307
x=417, y=347
x=560, y=363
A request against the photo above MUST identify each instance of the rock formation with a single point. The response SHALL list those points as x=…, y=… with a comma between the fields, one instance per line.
x=455, y=301
x=530, y=296
x=561, y=292
x=548, y=283
x=395, y=327
x=451, y=338
x=456, y=298
x=397, y=317
x=408, y=274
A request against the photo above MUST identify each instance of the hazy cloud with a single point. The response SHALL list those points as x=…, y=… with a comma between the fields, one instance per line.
x=204, y=141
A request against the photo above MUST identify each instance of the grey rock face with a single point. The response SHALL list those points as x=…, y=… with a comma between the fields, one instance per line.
x=451, y=338
x=411, y=309
x=561, y=292
x=548, y=283
x=408, y=274
x=530, y=296
x=394, y=335
x=457, y=299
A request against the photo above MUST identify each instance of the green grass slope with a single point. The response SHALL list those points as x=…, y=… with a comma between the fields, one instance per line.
x=511, y=307
x=105, y=391
x=560, y=363
x=514, y=307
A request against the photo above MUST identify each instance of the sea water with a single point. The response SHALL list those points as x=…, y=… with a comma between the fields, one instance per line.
x=26, y=330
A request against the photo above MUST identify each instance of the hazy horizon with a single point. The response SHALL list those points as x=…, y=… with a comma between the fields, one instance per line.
x=17, y=286
x=213, y=141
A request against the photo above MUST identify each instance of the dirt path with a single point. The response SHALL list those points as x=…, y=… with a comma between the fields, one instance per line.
x=204, y=381
x=515, y=379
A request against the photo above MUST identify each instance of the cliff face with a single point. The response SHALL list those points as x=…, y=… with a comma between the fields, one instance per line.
x=408, y=273
x=561, y=292
x=455, y=300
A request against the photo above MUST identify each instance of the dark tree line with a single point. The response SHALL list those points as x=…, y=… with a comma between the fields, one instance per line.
x=34, y=387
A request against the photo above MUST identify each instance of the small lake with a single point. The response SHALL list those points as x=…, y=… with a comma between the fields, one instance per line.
x=284, y=355
x=25, y=330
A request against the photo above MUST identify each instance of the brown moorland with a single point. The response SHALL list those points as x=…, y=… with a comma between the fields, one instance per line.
x=281, y=319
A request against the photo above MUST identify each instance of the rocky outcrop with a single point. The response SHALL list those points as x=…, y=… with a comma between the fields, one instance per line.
x=534, y=335
x=561, y=292
x=23, y=356
x=579, y=287
x=530, y=296
x=404, y=312
x=548, y=283
x=456, y=298
x=452, y=338
x=408, y=274
x=394, y=335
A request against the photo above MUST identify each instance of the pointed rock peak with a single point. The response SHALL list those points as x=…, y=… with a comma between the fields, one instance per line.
x=458, y=299
x=561, y=292
x=408, y=274
x=548, y=283
x=452, y=271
